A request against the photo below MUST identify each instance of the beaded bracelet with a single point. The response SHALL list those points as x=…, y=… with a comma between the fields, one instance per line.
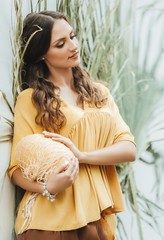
x=47, y=194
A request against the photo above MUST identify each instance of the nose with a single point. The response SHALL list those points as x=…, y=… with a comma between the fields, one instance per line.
x=73, y=45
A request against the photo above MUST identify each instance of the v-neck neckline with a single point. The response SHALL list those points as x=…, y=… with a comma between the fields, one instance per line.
x=73, y=106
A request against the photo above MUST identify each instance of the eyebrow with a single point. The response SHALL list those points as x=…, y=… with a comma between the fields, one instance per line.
x=60, y=39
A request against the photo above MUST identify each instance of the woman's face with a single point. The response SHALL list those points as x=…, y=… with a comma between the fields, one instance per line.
x=63, y=51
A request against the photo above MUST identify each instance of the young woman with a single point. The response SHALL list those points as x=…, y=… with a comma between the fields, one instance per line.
x=62, y=101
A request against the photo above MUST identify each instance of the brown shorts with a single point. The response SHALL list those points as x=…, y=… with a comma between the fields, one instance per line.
x=93, y=231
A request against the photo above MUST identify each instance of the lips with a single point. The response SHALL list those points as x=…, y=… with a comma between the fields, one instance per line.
x=75, y=55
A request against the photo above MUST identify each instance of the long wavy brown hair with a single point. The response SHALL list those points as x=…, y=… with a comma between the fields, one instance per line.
x=35, y=43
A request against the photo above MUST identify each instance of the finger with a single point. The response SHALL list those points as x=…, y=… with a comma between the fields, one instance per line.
x=72, y=169
x=74, y=173
x=76, y=170
x=49, y=134
x=66, y=141
x=45, y=133
x=62, y=167
x=58, y=139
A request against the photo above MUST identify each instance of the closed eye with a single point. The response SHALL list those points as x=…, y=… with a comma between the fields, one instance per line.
x=73, y=36
x=60, y=45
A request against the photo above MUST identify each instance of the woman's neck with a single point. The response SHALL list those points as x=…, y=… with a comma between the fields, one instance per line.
x=62, y=77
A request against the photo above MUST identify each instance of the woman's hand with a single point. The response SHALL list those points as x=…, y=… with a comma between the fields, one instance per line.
x=66, y=141
x=63, y=176
x=120, y=152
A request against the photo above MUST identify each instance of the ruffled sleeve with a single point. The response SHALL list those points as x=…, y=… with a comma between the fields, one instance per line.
x=120, y=128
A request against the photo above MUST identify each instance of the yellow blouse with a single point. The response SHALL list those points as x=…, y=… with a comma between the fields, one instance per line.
x=96, y=189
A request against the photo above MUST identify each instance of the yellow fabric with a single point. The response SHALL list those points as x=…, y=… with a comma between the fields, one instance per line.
x=37, y=158
x=109, y=223
x=96, y=190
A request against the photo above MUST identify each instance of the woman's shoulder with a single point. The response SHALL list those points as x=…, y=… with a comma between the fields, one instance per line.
x=24, y=98
x=104, y=88
x=25, y=93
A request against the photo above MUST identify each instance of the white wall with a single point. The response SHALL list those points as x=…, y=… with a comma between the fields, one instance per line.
x=6, y=188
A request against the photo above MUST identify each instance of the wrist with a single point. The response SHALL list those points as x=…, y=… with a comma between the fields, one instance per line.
x=51, y=186
x=83, y=157
x=46, y=193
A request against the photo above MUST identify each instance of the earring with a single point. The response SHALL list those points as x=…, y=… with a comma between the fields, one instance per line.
x=43, y=58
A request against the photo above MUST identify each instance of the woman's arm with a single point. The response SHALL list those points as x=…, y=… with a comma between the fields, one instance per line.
x=123, y=151
x=19, y=180
x=24, y=124
x=62, y=177
x=120, y=152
